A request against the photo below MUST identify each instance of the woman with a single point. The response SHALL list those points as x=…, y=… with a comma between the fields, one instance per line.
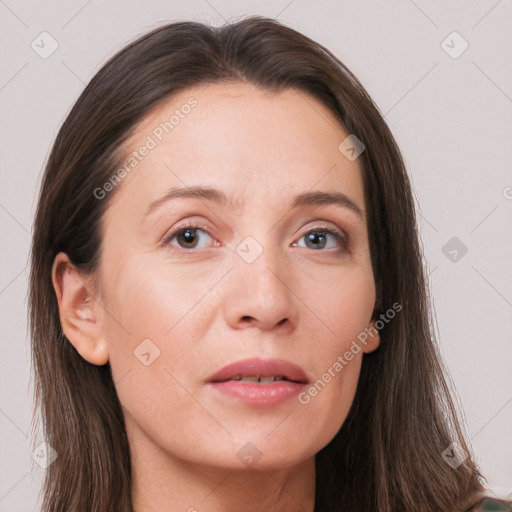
x=228, y=307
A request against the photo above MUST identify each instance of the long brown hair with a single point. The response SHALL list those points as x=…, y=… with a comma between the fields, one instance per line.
x=387, y=456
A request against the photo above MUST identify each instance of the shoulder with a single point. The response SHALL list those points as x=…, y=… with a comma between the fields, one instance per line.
x=488, y=503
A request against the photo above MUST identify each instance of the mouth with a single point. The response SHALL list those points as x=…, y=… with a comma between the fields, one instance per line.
x=260, y=371
x=258, y=382
x=258, y=379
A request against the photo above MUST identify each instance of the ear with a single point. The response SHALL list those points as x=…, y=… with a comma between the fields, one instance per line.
x=372, y=340
x=81, y=315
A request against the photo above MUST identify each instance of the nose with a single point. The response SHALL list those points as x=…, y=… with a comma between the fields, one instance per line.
x=261, y=294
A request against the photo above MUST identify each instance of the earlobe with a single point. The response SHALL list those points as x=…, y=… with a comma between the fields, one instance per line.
x=81, y=316
x=372, y=340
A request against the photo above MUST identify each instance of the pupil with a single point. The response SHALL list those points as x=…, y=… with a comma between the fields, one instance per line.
x=188, y=236
x=313, y=237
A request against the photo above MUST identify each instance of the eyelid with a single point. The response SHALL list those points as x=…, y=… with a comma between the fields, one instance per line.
x=188, y=224
x=327, y=226
x=332, y=229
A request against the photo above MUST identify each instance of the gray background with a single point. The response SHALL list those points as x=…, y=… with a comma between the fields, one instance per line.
x=451, y=114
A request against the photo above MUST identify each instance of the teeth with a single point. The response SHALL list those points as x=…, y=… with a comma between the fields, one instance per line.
x=258, y=378
x=251, y=379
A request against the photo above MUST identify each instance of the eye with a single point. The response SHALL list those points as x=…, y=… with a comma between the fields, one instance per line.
x=318, y=238
x=187, y=236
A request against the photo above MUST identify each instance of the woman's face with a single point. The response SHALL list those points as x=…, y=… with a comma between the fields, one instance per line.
x=246, y=282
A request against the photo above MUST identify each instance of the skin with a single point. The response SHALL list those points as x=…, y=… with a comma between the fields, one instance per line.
x=205, y=306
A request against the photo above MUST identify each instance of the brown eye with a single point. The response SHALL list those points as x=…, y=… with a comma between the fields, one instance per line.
x=187, y=237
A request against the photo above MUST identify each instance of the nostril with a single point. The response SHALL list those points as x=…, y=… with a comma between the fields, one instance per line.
x=248, y=318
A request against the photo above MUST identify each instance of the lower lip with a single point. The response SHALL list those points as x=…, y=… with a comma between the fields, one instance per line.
x=259, y=394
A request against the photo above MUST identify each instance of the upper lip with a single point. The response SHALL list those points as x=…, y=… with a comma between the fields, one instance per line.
x=261, y=367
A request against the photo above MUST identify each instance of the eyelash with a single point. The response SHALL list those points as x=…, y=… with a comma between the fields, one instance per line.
x=193, y=226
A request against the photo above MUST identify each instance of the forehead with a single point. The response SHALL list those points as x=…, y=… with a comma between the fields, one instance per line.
x=246, y=141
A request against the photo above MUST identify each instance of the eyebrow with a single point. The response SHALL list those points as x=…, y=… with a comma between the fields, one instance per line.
x=312, y=198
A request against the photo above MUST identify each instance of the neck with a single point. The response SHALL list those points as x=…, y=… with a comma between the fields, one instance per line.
x=163, y=483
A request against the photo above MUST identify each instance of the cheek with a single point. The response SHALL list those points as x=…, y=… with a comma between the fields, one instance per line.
x=156, y=322
x=152, y=299
x=329, y=397
x=343, y=304
x=337, y=310
x=156, y=317
x=345, y=308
